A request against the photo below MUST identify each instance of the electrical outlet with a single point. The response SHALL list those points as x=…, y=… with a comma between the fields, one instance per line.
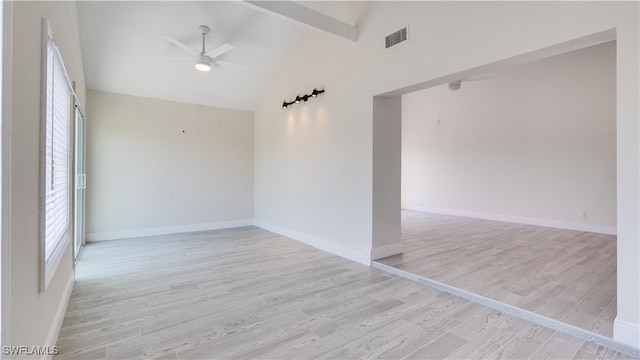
x=583, y=215
x=456, y=204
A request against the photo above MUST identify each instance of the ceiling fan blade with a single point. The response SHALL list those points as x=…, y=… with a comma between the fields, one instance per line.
x=180, y=45
x=219, y=50
x=228, y=64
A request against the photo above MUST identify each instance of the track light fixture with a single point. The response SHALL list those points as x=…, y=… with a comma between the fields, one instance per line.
x=303, y=98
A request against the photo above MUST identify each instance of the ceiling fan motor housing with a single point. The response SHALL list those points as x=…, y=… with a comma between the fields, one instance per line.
x=203, y=62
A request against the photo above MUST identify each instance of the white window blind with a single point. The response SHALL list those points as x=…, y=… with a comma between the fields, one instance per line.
x=57, y=156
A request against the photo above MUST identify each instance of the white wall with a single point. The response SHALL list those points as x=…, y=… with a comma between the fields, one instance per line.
x=387, y=133
x=157, y=167
x=535, y=141
x=313, y=162
x=35, y=317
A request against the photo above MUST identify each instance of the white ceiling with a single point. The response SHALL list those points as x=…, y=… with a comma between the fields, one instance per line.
x=123, y=45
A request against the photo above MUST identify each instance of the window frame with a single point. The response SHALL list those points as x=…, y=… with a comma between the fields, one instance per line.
x=50, y=261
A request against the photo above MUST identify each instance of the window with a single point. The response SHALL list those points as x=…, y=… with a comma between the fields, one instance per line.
x=56, y=153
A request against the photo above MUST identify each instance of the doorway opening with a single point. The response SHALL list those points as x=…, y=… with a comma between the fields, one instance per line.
x=450, y=85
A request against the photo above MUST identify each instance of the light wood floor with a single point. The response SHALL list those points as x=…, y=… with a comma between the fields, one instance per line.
x=249, y=294
x=562, y=274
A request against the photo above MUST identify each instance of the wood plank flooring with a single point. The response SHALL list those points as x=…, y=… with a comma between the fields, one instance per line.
x=250, y=294
x=562, y=274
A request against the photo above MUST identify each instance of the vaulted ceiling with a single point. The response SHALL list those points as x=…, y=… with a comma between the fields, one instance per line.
x=124, y=49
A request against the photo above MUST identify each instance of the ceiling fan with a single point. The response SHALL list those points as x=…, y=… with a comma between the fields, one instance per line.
x=205, y=59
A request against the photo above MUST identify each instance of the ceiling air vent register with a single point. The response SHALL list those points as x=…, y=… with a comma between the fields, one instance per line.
x=396, y=37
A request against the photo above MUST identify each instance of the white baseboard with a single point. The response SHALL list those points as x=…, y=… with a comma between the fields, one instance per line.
x=387, y=250
x=600, y=229
x=362, y=256
x=56, y=325
x=165, y=230
x=627, y=333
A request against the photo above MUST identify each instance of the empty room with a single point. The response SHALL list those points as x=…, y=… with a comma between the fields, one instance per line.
x=531, y=150
x=326, y=179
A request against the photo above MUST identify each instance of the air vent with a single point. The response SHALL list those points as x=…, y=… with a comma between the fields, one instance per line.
x=396, y=38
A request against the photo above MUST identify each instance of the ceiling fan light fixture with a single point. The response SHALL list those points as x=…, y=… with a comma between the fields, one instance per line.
x=203, y=62
x=203, y=66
